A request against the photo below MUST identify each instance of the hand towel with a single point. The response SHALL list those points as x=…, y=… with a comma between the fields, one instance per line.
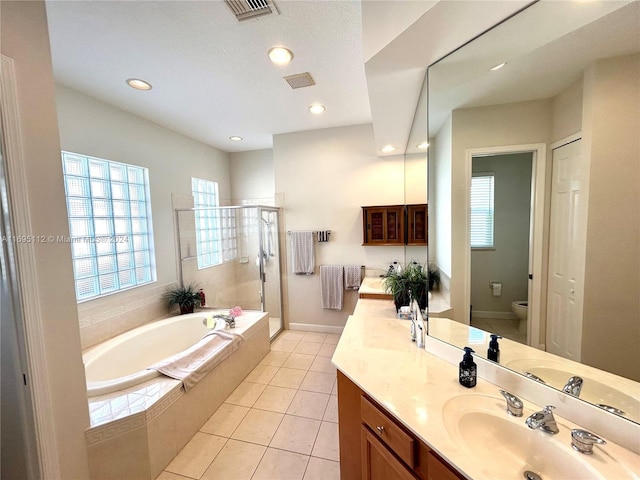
x=303, y=260
x=352, y=277
x=331, y=286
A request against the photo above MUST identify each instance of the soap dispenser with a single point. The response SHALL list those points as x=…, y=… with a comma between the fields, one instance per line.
x=468, y=373
x=493, y=353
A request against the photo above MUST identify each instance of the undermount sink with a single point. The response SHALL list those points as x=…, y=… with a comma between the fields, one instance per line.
x=481, y=425
x=556, y=375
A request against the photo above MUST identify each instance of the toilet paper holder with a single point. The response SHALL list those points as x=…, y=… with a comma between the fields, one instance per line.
x=496, y=288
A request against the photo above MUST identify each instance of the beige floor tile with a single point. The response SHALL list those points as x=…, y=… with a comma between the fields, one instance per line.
x=296, y=434
x=262, y=374
x=321, y=469
x=281, y=465
x=288, y=378
x=275, y=399
x=237, y=461
x=283, y=345
x=246, y=394
x=309, y=405
x=225, y=420
x=171, y=476
x=258, y=426
x=299, y=361
x=314, y=337
x=327, y=443
x=332, y=338
x=307, y=348
x=318, y=382
x=197, y=455
x=291, y=335
x=331, y=412
x=327, y=350
x=334, y=390
x=275, y=359
x=323, y=364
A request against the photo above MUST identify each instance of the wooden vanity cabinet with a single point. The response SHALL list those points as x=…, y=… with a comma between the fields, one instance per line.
x=383, y=225
x=374, y=446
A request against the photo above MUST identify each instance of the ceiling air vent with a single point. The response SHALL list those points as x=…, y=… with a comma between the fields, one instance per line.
x=300, y=80
x=246, y=9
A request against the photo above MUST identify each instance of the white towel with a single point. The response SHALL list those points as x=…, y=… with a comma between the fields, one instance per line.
x=193, y=364
x=303, y=259
x=352, y=277
x=332, y=286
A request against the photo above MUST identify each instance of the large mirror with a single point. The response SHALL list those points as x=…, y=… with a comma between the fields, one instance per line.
x=534, y=203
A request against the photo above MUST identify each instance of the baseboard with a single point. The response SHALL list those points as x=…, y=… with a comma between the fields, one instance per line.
x=310, y=327
x=500, y=315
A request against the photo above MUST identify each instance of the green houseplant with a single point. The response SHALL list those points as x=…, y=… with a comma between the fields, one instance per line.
x=185, y=297
x=434, y=276
x=411, y=282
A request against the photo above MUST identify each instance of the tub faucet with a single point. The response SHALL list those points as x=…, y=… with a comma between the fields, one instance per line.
x=573, y=386
x=229, y=320
x=543, y=420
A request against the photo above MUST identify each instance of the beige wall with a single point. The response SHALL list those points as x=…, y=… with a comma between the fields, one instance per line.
x=325, y=176
x=252, y=177
x=611, y=126
x=25, y=40
x=497, y=125
x=566, y=110
x=91, y=127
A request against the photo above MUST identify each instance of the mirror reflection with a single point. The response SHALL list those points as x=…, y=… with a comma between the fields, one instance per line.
x=533, y=194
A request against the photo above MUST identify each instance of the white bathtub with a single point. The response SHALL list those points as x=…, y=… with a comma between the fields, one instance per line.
x=123, y=361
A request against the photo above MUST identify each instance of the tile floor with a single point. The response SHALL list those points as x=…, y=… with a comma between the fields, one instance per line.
x=280, y=423
x=504, y=328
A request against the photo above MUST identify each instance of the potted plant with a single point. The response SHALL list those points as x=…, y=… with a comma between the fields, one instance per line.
x=411, y=282
x=184, y=297
x=434, y=276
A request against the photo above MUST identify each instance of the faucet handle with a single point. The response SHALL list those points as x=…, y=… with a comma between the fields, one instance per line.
x=514, y=404
x=582, y=441
x=548, y=409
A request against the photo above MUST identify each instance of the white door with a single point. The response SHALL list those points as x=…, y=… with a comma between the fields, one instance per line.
x=567, y=243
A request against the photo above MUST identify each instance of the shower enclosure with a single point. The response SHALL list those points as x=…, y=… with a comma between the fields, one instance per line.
x=233, y=254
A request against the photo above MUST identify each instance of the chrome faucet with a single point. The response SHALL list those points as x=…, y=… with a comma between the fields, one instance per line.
x=573, y=386
x=543, y=420
x=514, y=404
x=583, y=441
x=229, y=320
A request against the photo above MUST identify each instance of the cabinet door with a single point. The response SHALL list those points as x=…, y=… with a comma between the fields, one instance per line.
x=417, y=224
x=378, y=463
x=395, y=225
x=376, y=225
x=383, y=225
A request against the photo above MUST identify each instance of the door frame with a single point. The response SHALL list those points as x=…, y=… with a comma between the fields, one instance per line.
x=536, y=230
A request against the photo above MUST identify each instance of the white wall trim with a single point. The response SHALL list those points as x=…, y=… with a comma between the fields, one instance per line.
x=537, y=229
x=498, y=315
x=310, y=327
x=27, y=274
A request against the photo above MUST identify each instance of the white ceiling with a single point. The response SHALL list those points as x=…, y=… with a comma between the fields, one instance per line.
x=210, y=73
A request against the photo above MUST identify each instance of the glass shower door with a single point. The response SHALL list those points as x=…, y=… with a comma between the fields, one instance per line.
x=270, y=268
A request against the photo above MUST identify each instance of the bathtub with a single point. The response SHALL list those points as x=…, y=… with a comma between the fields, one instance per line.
x=123, y=361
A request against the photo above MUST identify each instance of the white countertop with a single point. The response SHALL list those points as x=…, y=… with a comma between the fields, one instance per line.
x=376, y=353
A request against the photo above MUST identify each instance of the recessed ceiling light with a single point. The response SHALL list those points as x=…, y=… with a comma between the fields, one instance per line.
x=498, y=67
x=280, y=55
x=388, y=148
x=235, y=138
x=138, y=84
x=423, y=145
x=317, y=108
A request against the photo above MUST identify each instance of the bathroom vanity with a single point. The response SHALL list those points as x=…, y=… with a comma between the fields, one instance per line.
x=403, y=414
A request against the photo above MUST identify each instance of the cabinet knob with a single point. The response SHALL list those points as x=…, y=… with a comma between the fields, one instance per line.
x=380, y=429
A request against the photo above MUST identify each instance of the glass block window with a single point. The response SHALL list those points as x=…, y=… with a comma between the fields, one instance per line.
x=482, y=210
x=216, y=236
x=109, y=212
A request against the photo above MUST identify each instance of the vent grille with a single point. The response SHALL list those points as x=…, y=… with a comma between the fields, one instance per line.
x=300, y=80
x=247, y=9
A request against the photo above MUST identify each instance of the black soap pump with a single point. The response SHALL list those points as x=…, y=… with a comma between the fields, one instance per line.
x=468, y=373
x=493, y=353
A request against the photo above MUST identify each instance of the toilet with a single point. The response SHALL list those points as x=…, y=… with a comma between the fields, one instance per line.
x=520, y=308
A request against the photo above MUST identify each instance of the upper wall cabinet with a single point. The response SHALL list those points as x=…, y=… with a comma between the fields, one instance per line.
x=395, y=225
